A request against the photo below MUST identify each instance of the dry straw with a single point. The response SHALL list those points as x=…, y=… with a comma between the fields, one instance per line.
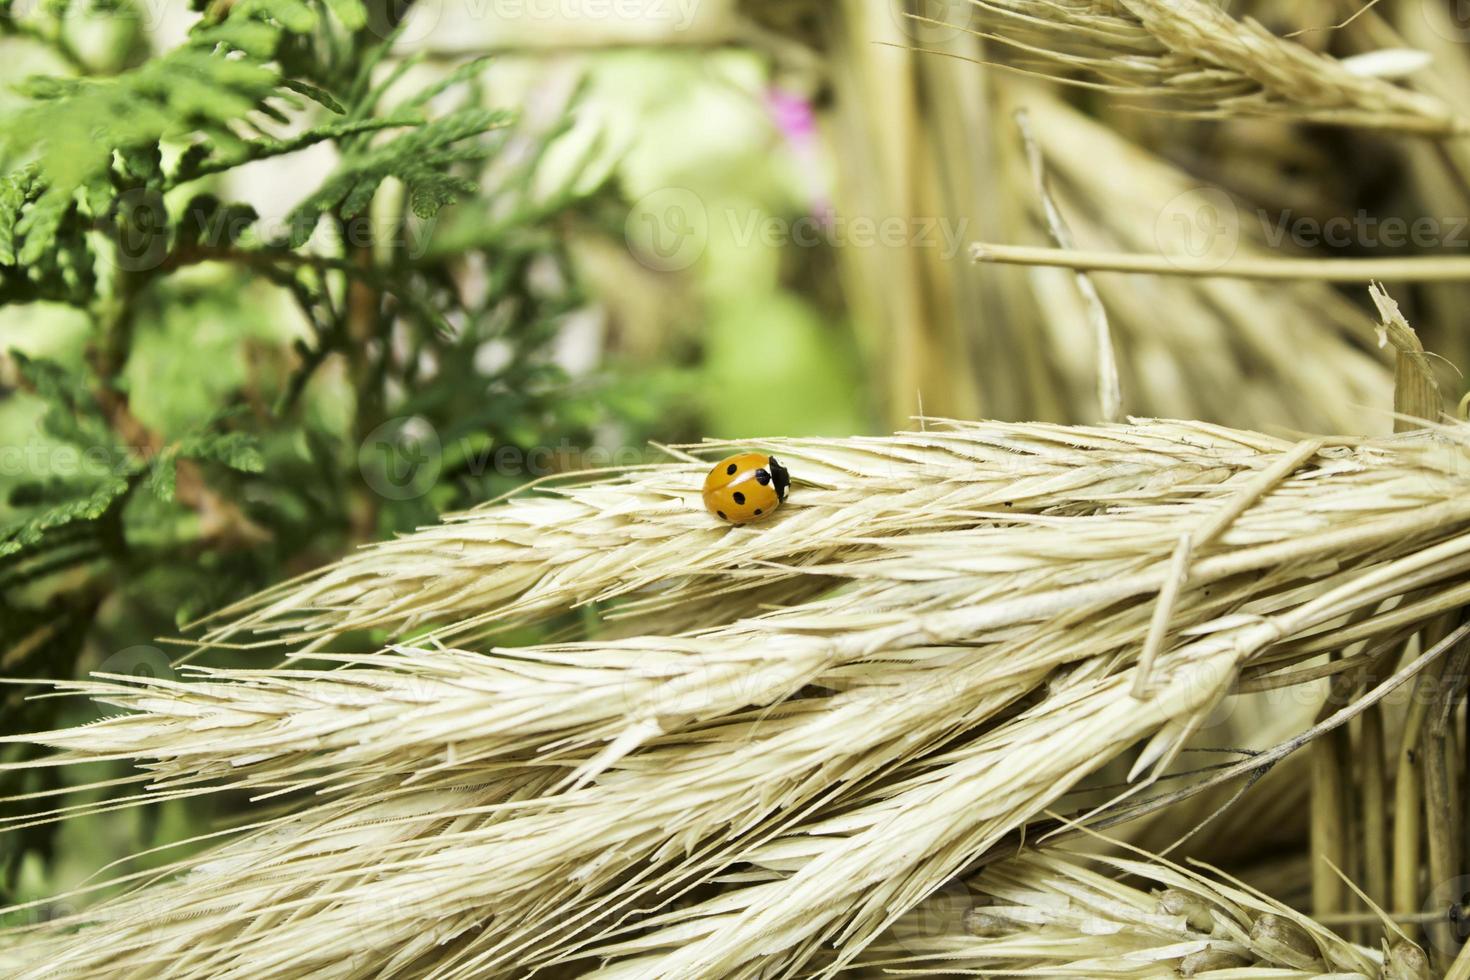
x=1212, y=348
x=1025, y=343
x=1191, y=57
x=1063, y=915
x=957, y=650
x=933, y=137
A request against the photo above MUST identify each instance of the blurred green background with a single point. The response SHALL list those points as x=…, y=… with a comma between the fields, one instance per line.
x=180, y=433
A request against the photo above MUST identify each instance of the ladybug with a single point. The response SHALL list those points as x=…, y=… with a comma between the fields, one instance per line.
x=745, y=487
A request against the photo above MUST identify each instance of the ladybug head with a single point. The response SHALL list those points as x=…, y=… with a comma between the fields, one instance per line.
x=779, y=477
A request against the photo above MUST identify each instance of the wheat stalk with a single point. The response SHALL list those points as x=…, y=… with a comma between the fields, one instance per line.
x=802, y=775
x=1423, y=269
x=1195, y=59
x=648, y=538
x=1051, y=914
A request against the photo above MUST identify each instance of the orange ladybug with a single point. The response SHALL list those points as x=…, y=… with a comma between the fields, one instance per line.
x=745, y=487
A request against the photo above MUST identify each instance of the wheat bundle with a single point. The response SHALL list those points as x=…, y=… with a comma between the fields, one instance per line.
x=1003, y=609
x=1052, y=914
x=934, y=136
x=1230, y=349
x=648, y=537
x=1193, y=58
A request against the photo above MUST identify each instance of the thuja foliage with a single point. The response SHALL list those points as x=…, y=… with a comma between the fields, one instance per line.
x=250, y=398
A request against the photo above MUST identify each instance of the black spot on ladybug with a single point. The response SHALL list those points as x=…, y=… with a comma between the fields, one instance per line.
x=762, y=477
x=721, y=515
x=730, y=469
x=739, y=497
x=757, y=512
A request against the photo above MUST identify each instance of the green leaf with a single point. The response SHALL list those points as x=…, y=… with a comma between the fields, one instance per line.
x=255, y=39
x=200, y=160
x=15, y=192
x=316, y=94
x=296, y=16
x=469, y=70
x=31, y=531
x=421, y=158
x=162, y=479
x=428, y=191
x=351, y=13
x=72, y=415
x=75, y=126
x=40, y=225
x=237, y=450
